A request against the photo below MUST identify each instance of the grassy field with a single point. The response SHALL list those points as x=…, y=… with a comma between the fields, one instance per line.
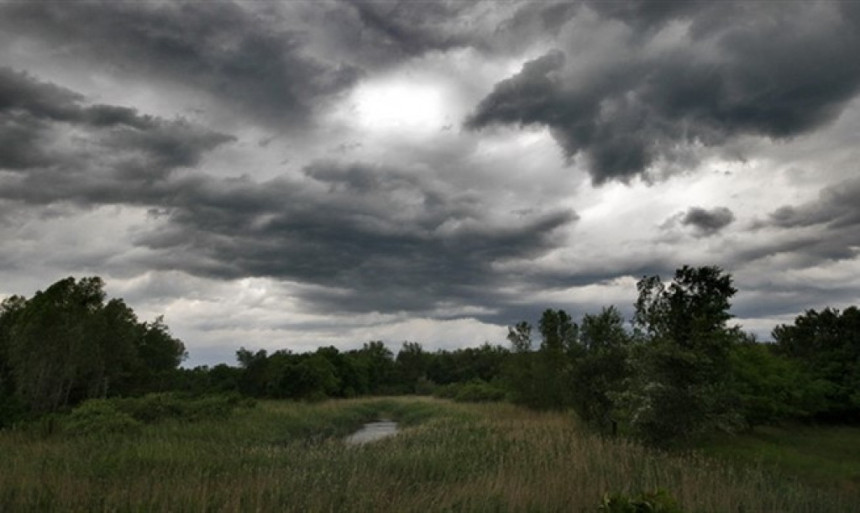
x=282, y=456
x=823, y=456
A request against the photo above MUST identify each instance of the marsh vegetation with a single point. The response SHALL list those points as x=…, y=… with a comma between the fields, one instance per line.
x=288, y=456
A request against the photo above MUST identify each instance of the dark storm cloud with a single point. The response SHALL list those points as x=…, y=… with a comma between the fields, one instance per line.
x=645, y=15
x=836, y=207
x=776, y=299
x=21, y=92
x=783, y=71
x=376, y=239
x=57, y=148
x=369, y=237
x=824, y=229
x=407, y=28
x=707, y=222
x=539, y=17
x=26, y=98
x=222, y=48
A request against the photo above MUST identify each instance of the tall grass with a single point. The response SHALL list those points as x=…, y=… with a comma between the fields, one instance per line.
x=826, y=456
x=284, y=456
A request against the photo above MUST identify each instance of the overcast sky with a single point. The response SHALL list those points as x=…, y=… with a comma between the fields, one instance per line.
x=295, y=174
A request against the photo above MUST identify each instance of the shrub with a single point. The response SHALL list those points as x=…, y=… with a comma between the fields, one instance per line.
x=99, y=416
x=155, y=407
x=475, y=391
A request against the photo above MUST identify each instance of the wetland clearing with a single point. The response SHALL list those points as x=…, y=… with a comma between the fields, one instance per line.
x=289, y=456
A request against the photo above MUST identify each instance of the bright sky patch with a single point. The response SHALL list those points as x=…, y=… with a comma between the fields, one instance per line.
x=399, y=105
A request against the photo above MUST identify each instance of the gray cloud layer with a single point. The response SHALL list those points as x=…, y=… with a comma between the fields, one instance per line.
x=419, y=222
x=377, y=238
x=786, y=70
x=56, y=148
x=397, y=29
x=827, y=228
x=223, y=48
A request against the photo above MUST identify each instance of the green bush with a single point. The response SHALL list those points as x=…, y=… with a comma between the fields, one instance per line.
x=99, y=416
x=119, y=415
x=155, y=407
x=475, y=391
x=659, y=501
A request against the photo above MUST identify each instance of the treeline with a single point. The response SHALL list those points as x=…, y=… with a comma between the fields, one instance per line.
x=676, y=370
x=372, y=370
x=682, y=370
x=66, y=344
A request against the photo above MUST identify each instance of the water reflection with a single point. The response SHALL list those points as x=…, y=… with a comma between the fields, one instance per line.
x=372, y=432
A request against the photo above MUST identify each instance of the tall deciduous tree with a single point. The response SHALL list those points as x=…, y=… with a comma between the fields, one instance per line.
x=412, y=362
x=51, y=349
x=602, y=370
x=520, y=369
x=558, y=349
x=10, y=404
x=684, y=362
x=65, y=345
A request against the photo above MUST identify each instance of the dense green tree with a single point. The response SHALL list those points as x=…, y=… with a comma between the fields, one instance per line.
x=65, y=345
x=520, y=370
x=202, y=380
x=303, y=376
x=683, y=368
x=11, y=406
x=159, y=353
x=376, y=362
x=51, y=350
x=412, y=363
x=352, y=381
x=254, y=378
x=558, y=350
x=827, y=345
x=477, y=363
x=602, y=370
x=771, y=387
x=114, y=365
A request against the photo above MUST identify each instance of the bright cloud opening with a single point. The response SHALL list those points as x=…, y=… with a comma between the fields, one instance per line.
x=400, y=105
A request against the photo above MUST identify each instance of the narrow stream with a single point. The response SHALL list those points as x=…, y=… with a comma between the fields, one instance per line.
x=371, y=432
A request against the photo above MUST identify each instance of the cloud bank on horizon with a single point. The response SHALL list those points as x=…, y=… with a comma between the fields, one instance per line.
x=288, y=175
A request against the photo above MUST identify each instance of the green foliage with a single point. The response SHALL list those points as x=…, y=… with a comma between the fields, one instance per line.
x=51, y=352
x=124, y=415
x=771, y=387
x=377, y=363
x=411, y=363
x=558, y=348
x=99, y=417
x=827, y=345
x=659, y=501
x=602, y=369
x=520, y=371
x=289, y=456
x=65, y=345
x=373, y=369
x=475, y=391
x=157, y=407
x=682, y=384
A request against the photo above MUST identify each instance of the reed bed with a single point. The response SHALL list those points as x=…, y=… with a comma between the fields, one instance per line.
x=283, y=456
